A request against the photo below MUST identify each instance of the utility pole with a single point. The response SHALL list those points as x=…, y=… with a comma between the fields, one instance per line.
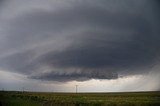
x=76, y=88
x=22, y=89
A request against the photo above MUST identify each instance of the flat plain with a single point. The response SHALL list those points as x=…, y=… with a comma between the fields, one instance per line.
x=16, y=98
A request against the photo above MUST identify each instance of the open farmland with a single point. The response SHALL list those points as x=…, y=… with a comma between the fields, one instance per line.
x=79, y=99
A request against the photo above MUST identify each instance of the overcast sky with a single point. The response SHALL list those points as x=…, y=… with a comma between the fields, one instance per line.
x=101, y=45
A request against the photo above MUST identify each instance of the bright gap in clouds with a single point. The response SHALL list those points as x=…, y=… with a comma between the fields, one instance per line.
x=13, y=81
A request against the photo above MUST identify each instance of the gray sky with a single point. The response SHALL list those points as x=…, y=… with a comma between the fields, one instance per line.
x=50, y=45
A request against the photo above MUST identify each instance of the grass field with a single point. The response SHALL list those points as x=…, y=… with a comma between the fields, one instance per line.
x=79, y=99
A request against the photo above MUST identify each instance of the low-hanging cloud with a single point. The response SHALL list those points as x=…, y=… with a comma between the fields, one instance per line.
x=80, y=40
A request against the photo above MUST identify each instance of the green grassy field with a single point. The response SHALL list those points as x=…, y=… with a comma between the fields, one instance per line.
x=79, y=99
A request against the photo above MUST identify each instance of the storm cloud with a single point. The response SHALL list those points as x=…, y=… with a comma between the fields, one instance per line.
x=79, y=40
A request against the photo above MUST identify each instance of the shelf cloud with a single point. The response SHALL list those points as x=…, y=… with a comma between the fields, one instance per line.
x=79, y=40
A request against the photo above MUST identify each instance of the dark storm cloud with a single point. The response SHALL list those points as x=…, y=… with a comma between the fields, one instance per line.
x=82, y=40
x=82, y=76
x=97, y=50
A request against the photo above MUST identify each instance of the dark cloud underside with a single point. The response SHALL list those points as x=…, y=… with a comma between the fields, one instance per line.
x=82, y=40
